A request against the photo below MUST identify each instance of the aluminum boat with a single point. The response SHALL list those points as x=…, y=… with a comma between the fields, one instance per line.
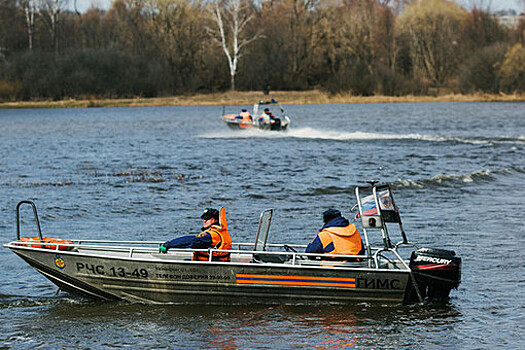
x=258, y=272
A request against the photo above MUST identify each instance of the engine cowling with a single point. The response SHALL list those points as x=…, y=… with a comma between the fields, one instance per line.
x=437, y=271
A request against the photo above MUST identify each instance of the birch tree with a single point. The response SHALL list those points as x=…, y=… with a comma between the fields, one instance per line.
x=231, y=18
x=51, y=10
x=30, y=11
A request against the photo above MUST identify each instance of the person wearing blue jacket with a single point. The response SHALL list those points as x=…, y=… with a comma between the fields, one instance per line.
x=202, y=240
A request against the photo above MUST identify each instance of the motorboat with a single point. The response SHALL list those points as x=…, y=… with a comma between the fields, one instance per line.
x=258, y=271
x=256, y=119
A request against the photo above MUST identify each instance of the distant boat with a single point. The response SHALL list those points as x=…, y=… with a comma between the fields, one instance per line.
x=259, y=118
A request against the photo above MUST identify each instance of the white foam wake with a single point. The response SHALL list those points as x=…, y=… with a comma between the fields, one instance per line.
x=317, y=134
x=309, y=133
x=443, y=179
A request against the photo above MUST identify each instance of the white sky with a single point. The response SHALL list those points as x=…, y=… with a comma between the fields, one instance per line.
x=495, y=5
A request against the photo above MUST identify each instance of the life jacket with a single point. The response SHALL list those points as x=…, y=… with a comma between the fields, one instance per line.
x=220, y=240
x=246, y=118
x=346, y=240
x=265, y=118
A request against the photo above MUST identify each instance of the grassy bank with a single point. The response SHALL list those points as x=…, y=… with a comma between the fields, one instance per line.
x=248, y=98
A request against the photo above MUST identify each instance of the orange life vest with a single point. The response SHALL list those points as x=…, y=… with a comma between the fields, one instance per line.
x=265, y=118
x=220, y=240
x=246, y=118
x=346, y=240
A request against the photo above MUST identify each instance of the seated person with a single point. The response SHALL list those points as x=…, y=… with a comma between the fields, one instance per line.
x=267, y=117
x=337, y=236
x=214, y=234
x=246, y=117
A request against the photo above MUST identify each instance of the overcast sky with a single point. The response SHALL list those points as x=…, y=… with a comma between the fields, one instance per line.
x=495, y=5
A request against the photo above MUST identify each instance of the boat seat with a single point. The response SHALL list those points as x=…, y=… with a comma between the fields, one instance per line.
x=263, y=230
x=271, y=258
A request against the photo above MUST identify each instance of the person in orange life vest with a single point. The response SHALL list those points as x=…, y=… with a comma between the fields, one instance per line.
x=337, y=236
x=267, y=117
x=213, y=235
x=245, y=116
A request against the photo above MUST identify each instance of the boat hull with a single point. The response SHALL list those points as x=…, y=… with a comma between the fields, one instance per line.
x=233, y=124
x=156, y=278
x=236, y=124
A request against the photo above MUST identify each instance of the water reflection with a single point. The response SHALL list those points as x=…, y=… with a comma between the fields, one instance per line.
x=112, y=324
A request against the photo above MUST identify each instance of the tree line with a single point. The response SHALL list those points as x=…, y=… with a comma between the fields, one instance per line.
x=169, y=47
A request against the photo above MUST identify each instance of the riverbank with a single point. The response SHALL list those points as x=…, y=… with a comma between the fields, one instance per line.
x=248, y=98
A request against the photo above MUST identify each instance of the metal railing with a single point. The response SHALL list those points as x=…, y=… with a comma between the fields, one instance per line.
x=35, y=213
x=291, y=257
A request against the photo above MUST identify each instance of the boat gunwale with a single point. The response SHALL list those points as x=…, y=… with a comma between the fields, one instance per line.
x=321, y=264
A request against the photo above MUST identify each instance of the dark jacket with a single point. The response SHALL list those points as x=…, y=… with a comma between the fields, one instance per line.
x=200, y=241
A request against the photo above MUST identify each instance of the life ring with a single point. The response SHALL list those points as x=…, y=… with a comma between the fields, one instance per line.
x=37, y=243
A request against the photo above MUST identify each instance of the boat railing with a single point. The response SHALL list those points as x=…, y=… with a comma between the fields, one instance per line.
x=270, y=245
x=35, y=213
x=293, y=258
x=290, y=256
x=378, y=255
x=238, y=244
x=398, y=244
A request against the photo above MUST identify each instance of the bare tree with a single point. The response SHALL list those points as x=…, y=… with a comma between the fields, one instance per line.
x=432, y=28
x=305, y=34
x=30, y=10
x=51, y=10
x=231, y=18
x=175, y=33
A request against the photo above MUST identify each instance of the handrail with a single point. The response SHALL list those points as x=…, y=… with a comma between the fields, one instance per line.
x=393, y=251
x=132, y=250
x=240, y=244
x=365, y=233
x=18, y=218
x=398, y=244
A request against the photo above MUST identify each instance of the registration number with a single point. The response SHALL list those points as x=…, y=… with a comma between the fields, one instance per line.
x=116, y=271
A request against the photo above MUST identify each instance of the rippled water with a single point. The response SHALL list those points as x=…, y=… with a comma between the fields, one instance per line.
x=458, y=170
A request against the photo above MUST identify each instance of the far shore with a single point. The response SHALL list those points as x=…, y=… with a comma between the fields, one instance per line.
x=249, y=98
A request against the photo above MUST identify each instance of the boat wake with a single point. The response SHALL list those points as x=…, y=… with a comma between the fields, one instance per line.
x=317, y=134
x=17, y=301
x=446, y=180
x=440, y=180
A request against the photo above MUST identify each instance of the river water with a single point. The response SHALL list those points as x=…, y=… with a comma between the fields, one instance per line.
x=457, y=169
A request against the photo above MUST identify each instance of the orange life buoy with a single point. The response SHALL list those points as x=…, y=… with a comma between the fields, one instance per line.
x=37, y=243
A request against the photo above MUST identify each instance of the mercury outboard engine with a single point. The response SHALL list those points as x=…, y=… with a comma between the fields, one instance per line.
x=437, y=271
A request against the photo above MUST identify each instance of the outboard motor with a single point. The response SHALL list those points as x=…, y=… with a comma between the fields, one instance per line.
x=437, y=271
